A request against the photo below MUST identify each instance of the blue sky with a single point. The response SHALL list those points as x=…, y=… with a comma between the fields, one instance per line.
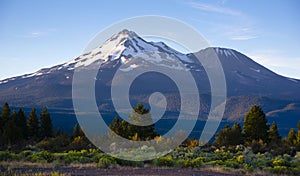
x=36, y=34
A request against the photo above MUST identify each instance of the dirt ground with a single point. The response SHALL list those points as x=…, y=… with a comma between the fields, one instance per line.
x=117, y=171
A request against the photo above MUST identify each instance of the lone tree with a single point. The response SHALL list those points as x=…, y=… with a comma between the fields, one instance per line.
x=46, y=124
x=33, y=124
x=255, y=125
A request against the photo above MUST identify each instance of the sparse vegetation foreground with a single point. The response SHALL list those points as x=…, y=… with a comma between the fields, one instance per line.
x=29, y=143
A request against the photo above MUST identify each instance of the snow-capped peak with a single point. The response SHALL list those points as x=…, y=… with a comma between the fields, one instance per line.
x=124, y=33
x=123, y=45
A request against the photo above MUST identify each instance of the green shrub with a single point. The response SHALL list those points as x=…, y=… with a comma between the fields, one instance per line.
x=232, y=164
x=248, y=168
x=280, y=169
x=187, y=163
x=41, y=157
x=76, y=157
x=107, y=162
x=279, y=162
x=164, y=161
x=5, y=156
x=215, y=163
x=193, y=163
x=122, y=162
x=295, y=163
x=240, y=158
x=57, y=163
x=84, y=159
x=180, y=163
x=197, y=162
x=25, y=154
x=96, y=156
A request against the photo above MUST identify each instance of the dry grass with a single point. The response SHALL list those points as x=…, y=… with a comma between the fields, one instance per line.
x=40, y=169
x=87, y=165
x=21, y=164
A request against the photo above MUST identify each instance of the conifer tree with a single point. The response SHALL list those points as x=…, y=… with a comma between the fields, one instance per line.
x=1, y=138
x=223, y=137
x=21, y=123
x=292, y=137
x=255, y=125
x=298, y=136
x=11, y=131
x=139, y=115
x=132, y=131
x=274, y=137
x=76, y=131
x=236, y=135
x=123, y=128
x=229, y=136
x=46, y=124
x=116, y=126
x=33, y=124
x=5, y=115
x=58, y=132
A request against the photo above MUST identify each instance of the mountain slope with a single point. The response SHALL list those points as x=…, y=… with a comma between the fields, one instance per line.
x=248, y=83
x=246, y=77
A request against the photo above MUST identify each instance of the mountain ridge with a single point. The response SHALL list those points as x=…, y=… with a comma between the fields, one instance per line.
x=248, y=82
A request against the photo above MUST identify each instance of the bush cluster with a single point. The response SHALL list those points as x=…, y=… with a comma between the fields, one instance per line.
x=243, y=159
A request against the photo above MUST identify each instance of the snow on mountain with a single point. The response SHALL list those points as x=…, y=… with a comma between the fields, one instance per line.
x=293, y=80
x=256, y=70
x=126, y=45
x=227, y=52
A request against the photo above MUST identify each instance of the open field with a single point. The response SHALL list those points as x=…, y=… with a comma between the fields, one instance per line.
x=114, y=171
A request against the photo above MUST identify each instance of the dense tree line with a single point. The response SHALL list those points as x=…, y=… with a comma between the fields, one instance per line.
x=257, y=134
x=18, y=132
x=15, y=129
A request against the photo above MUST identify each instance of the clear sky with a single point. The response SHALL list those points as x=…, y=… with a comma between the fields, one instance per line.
x=35, y=34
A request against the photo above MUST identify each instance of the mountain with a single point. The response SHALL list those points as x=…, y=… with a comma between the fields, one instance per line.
x=247, y=82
